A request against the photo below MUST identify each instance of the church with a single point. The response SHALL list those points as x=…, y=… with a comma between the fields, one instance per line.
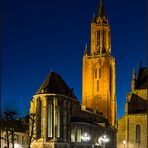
x=132, y=127
x=65, y=123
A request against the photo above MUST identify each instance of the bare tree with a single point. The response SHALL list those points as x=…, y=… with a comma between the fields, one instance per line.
x=33, y=128
x=7, y=124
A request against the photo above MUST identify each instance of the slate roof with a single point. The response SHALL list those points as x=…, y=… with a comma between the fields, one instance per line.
x=54, y=84
x=137, y=105
x=142, y=80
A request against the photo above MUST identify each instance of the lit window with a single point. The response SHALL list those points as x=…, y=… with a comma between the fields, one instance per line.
x=78, y=135
x=58, y=121
x=72, y=135
x=138, y=133
x=49, y=118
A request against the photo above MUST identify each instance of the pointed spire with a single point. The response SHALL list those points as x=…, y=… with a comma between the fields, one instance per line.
x=101, y=11
x=51, y=70
x=93, y=18
x=133, y=83
x=133, y=74
x=86, y=50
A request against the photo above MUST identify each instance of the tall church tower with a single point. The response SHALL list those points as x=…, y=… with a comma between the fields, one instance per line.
x=98, y=71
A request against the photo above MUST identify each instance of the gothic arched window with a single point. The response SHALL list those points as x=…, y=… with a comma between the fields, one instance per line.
x=50, y=118
x=98, y=38
x=138, y=133
x=99, y=72
x=104, y=38
x=39, y=119
x=95, y=73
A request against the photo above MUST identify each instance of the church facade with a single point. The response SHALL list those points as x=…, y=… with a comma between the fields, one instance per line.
x=62, y=122
x=132, y=127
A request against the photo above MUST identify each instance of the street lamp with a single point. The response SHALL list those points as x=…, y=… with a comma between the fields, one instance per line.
x=85, y=137
x=104, y=139
x=124, y=143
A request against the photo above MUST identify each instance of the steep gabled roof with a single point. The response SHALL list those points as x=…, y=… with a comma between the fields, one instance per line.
x=54, y=84
x=137, y=105
x=142, y=80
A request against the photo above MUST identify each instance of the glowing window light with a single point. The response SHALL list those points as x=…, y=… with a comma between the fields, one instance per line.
x=124, y=141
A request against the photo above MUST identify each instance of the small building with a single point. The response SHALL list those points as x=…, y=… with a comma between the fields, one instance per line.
x=133, y=126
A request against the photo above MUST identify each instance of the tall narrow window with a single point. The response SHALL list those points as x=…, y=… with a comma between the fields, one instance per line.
x=49, y=118
x=110, y=80
x=72, y=135
x=97, y=85
x=95, y=73
x=41, y=108
x=38, y=119
x=78, y=135
x=98, y=39
x=58, y=121
x=99, y=72
x=138, y=133
x=104, y=38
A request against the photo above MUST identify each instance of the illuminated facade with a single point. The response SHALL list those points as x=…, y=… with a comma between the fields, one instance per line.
x=98, y=74
x=62, y=121
x=132, y=127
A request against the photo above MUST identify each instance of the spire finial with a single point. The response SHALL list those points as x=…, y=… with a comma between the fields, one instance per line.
x=101, y=11
x=133, y=74
x=85, y=51
x=93, y=18
x=133, y=83
x=86, y=45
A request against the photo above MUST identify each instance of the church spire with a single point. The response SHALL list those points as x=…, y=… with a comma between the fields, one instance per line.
x=133, y=83
x=101, y=11
x=100, y=33
x=86, y=50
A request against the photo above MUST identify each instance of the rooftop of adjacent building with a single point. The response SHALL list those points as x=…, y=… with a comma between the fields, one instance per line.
x=136, y=102
x=142, y=79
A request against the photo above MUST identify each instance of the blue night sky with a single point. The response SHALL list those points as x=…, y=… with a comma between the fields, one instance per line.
x=40, y=35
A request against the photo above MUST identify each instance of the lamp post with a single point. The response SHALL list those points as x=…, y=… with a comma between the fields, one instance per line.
x=124, y=143
x=85, y=137
x=104, y=139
